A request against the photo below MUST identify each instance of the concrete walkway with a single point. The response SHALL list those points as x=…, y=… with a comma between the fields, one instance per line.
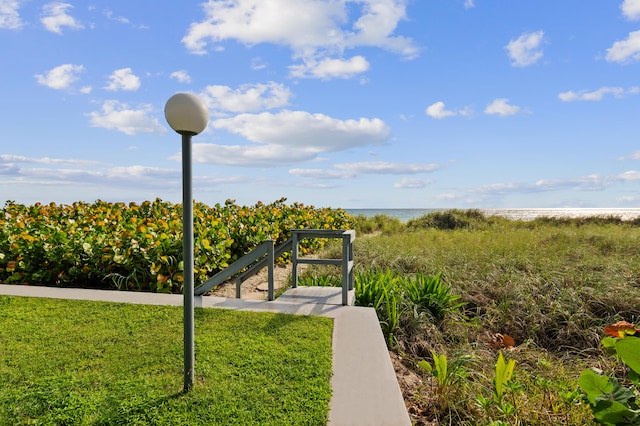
x=365, y=388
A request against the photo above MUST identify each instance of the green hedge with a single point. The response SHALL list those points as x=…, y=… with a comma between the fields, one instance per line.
x=139, y=246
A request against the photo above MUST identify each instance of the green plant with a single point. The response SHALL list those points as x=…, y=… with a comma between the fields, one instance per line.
x=611, y=402
x=501, y=382
x=444, y=372
x=322, y=280
x=504, y=372
x=391, y=321
x=378, y=289
x=369, y=287
x=398, y=299
x=430, y=294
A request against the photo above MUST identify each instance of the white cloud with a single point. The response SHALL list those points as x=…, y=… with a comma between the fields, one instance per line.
x=383, y=167
x=500, y=106
x=121, y=177
x=247, y=98
x=412, y=183
x=55, y=17
x=302, y=129
x=258, y=64
x=525, y=50
x=288, y=137
x=438, y=111
x=593, y=182
x=9, y=16
x=631, y=9
x=60, y=77
x=182, y=76
x=351, y=170
x=322, y=173
x=596, y=95
x=108, y=13
x=468, y=4
x=314, y=30
x=268, y=155
x=630, y=176
x=376, y=25
x=8, y=158
x=137, y=172
x=123, y=79
x=634, y=156
x=628, y=199
x=625, y=50
x=328, y=68
x=118, y=116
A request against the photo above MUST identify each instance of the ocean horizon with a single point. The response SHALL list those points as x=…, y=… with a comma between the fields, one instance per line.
x=405, y=215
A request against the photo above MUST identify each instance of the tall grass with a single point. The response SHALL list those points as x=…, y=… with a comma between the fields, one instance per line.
x=551, y=284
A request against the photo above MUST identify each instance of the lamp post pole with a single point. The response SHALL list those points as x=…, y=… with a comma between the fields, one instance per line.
x=187, y=256
x=188, y=116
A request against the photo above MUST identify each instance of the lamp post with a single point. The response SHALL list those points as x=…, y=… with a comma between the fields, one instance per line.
x=188, y=115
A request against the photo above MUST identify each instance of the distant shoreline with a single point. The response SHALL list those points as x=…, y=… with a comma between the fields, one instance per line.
x=511, y=213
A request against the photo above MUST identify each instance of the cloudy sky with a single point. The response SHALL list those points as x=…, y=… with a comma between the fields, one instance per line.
x=353, y=104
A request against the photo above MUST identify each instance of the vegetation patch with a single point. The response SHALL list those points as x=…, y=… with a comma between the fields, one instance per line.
x=525, y=306
x=79, y=362
x=139, y=246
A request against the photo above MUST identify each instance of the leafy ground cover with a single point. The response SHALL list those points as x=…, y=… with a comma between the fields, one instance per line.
x=139, y=246
x=78, y=362
x=536, y=297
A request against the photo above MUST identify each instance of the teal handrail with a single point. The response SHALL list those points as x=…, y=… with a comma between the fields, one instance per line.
x=266, y=247
x=259, y=260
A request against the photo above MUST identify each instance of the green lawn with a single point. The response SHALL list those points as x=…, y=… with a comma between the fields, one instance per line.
x=79, y=363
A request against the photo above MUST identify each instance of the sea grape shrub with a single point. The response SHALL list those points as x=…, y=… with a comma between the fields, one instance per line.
x=139, y=246
x=249, y=226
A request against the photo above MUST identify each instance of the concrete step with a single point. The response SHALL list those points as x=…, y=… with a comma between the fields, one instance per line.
x=316, y=295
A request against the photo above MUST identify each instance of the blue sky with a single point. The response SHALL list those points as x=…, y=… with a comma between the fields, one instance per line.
x=352, y=104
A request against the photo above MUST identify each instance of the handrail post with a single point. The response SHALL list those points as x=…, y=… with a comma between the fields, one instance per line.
x=294, y=259
x=239, y=288
x=352, y=264
x=270, y=266
x=346, y=240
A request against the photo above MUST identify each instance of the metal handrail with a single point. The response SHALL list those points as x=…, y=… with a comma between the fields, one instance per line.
x=347, y=237
x=254, y=269
x=266, y=247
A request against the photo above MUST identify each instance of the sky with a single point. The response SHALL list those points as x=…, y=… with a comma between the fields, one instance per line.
x=330, y=103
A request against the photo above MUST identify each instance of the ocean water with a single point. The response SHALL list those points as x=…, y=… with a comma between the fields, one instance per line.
x=515, y=214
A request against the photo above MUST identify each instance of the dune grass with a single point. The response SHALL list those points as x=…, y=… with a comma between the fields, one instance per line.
x=95, y=363
x=551, y=284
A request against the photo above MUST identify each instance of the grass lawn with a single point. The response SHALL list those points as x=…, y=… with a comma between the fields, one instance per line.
x=79, y=363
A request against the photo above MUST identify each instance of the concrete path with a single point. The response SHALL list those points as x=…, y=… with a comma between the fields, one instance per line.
x=365, y=388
